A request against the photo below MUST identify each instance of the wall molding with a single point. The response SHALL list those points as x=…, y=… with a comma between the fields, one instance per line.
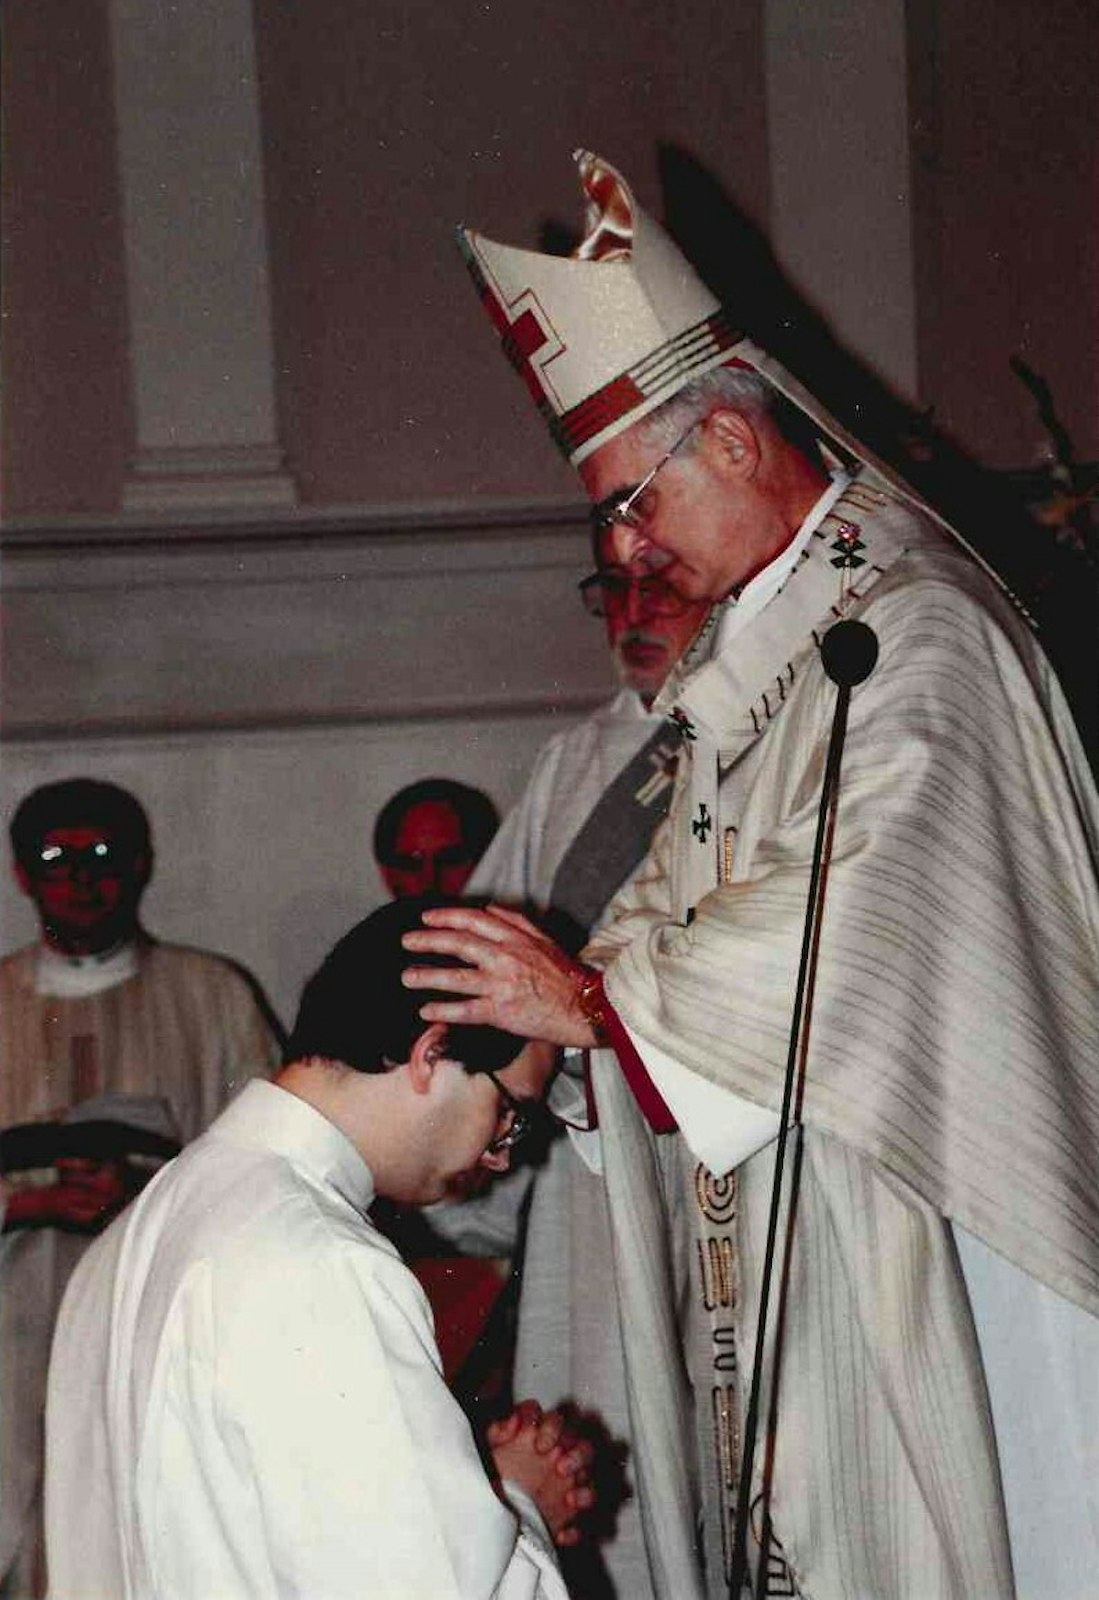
x=441, y=712
x=281, y=524
x=139, y=631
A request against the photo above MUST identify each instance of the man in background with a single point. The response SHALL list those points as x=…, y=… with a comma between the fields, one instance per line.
x=430, y=835
x=97, y=1003
x=245, y=1394
x=96, y=1007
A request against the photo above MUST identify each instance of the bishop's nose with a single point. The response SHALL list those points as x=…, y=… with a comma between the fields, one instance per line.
x=628, y=544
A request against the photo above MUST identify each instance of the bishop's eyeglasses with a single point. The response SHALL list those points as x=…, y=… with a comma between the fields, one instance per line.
x=623, y=508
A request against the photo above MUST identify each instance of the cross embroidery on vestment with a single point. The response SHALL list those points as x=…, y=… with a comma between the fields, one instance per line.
x=703, y=823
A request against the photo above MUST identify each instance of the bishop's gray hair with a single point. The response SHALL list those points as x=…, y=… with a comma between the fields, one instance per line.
x=739, y=390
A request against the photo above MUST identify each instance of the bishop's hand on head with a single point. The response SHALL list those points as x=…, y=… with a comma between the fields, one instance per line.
x=514, y=977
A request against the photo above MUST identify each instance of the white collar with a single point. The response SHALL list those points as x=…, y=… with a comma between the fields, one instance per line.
x=265, y=1116
x=766, y=584
x=729, y=617
x=65, y=977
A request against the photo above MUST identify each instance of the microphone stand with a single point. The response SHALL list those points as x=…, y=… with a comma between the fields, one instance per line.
x=849, y=651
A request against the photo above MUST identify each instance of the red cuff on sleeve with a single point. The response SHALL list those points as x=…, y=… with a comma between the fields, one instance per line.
x=654, y=1108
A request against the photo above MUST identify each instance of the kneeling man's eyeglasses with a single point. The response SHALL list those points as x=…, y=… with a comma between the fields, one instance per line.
x=521, y=1119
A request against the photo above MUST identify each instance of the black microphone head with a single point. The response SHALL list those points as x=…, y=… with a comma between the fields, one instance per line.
x=849, y=651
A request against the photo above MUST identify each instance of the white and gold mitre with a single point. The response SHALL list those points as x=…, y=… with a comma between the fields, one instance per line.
x=603, y=336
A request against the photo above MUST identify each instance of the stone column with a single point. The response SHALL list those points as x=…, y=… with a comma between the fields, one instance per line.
x=191, y=168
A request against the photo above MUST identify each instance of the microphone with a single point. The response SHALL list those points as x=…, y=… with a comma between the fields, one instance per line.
x=849, y=651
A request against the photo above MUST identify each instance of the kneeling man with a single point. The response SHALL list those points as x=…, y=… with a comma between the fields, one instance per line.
x=245, y=1396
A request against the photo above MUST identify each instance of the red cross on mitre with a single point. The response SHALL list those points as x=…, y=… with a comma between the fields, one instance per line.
x=530, y=341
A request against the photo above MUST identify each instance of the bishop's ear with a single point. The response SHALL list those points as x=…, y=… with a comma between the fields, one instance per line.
x=734, y=441
x=427, y=1052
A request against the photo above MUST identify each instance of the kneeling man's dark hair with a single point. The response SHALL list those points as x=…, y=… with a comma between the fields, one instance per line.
x=355, y=1009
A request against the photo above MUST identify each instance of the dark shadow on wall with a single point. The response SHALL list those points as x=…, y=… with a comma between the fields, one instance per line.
x=1036, y=527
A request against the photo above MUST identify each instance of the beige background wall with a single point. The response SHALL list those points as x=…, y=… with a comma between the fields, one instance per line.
x=1005, y=141
x=264, y=673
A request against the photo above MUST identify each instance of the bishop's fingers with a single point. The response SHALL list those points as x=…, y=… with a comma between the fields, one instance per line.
x=492, y=925
x=454, y=980
x=519, y=923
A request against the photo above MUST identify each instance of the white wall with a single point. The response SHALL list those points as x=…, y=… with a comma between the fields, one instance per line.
x=841, y=190
x=263, y=839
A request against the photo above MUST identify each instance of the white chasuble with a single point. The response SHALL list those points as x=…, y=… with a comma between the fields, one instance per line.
x=953, y=1063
